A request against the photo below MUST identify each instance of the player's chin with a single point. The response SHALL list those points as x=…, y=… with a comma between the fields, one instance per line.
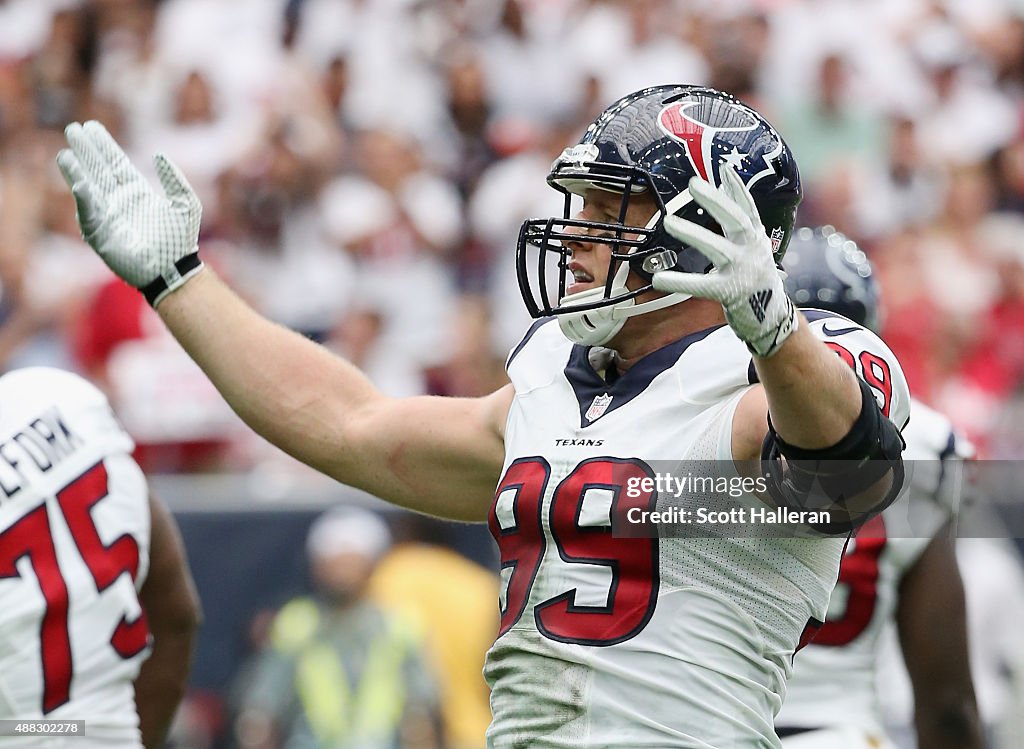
x=582, y=286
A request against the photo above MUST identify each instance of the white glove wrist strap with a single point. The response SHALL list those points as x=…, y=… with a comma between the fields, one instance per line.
x=182, y=270
x=772, y=333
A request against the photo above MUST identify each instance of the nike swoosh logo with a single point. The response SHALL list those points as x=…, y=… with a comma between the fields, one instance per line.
x=837, y=331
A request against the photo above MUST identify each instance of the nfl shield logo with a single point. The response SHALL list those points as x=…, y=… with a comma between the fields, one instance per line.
x=598, y=407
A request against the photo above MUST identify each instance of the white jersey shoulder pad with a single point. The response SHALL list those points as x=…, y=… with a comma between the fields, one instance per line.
x=84, y=409
x=930, y=435
x=869, y=356
x=539, y=357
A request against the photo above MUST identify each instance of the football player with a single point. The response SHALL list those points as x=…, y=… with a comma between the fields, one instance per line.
x=663, y=333
x=906, y=573
x=93, y=577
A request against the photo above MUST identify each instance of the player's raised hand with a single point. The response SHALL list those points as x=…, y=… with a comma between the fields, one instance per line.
x=745, y=279
x=148, y=239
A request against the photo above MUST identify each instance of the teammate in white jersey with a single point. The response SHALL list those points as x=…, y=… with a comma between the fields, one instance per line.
x=93, y=578
x=605, y=641
x=901, y=568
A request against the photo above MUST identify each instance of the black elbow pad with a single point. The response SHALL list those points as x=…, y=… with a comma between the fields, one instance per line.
x=826, y=479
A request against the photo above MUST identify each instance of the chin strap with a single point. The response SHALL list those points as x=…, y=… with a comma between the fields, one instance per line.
x=597, y=326
x=627, y=311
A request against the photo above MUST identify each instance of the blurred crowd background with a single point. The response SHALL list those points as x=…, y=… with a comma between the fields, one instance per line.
x=364, y=167
x=365, y=164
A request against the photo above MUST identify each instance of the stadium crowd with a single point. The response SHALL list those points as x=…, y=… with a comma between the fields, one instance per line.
x=365, y=164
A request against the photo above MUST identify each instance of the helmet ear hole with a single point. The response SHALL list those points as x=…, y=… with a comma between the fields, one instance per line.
x=656, y=261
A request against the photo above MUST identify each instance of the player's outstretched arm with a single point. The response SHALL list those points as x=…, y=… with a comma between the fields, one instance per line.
x=932, y=625
x=441, y=456
x=169, y=598
x=436, y=455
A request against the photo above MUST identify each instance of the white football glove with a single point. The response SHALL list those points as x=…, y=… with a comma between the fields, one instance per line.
x=149, y=240
x=745, y=279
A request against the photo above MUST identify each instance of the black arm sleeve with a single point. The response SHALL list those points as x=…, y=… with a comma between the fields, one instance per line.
x=829, y=478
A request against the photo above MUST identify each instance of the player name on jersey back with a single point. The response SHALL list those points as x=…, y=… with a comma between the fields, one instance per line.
x=40, y=446
x=74, y=552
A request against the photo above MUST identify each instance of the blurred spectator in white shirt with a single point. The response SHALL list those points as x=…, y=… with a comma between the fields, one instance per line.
x=532, y=68
x=276, y=248
x=631, y=45
x=967, y=119
x=400, y=223
x=509, y=192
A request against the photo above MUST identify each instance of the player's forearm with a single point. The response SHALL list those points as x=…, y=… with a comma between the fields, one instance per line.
x=954, y=724
x=161, y=684
x=937, y=657
x=813, y=397
x=290, y=390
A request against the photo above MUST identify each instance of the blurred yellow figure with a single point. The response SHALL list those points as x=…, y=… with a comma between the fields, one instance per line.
x=340, y=673
x=454, y=601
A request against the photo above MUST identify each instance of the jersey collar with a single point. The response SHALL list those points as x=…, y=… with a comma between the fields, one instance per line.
x=587, y=384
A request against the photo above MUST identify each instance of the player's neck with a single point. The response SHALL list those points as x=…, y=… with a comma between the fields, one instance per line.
x=644, y=334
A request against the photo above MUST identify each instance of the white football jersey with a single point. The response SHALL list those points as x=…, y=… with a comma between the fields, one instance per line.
x=834, y=677
x=74, y=551
x=681, y=641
